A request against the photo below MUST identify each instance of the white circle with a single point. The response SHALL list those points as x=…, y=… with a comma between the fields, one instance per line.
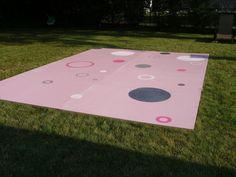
x=76, y=96
x=122, y=53
x=146, y=77
x=103, y=71
x=191, y=58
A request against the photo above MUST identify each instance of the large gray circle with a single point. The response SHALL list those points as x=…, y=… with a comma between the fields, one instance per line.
x=149, y=94
x=142, y=66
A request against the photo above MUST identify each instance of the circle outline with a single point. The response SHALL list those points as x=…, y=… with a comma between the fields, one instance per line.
x=181, y=70
x=143, y=66
x=118, y=61
x=82, y=75
x=85, y=66
x=146, y=77
x=47, y=81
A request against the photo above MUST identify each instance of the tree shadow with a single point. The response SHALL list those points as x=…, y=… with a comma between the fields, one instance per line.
x=232, y=58
x=28, y=36
x=26, y=153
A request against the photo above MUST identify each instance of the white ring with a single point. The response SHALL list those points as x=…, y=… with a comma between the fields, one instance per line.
x=146, y=77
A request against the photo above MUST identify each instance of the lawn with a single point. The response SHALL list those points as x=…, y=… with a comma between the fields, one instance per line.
x=41, y=142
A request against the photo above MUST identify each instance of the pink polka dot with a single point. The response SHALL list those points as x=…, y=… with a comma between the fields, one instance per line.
x=80, y=64
x=181, y=70
x=163, y=119
x=118, y=61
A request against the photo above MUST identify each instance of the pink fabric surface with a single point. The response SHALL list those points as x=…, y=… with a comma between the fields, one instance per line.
x=99, y=82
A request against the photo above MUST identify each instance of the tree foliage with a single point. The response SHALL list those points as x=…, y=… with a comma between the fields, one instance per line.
x=94, y=12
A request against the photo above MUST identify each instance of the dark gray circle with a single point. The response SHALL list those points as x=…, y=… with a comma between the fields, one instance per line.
x=181, y=84
x=143, y=66
x=165, y=53
x=47, y=82
x=149, y=94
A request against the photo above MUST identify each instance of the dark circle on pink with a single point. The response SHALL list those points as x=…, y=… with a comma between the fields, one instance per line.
x=118, y=61
x=80, y=64
x=163, y=119
x=47, y=82
x=181, y=70
x=181, y=84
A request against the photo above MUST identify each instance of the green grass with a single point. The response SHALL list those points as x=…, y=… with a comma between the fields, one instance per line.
x=40, y=142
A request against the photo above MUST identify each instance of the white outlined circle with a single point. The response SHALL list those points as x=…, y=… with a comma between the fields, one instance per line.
x=146, y=77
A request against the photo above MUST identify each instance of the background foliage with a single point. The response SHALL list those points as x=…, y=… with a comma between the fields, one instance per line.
x=178, y=13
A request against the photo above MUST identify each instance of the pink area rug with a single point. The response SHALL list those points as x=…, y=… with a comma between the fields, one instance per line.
x=159, y=88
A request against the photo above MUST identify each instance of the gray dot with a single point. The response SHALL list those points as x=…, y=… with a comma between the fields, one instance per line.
x=181, y=84
x=142, y=66
x=47, y=82
x=164, y=53
x=148, y=94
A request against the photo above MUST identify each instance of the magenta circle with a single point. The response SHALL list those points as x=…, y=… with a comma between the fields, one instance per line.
x=80, y=64
x=181, y=70
x=118, y=61
x=163, y=119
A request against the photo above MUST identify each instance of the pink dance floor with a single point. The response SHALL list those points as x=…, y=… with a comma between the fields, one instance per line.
x=143, y=86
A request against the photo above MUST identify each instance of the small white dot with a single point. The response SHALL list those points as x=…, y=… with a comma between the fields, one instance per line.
x=103, y=71
x=76, y=96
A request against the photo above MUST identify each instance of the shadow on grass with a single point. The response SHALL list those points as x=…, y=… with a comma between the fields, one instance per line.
x=94, y=38
x=233, y=58
x=30, y=36
x=26, y=153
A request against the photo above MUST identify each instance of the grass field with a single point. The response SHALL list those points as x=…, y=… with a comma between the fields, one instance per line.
x=40, y=142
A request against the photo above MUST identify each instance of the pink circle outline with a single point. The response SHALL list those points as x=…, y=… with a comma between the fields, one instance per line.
x=181, y=70
x=85, y=66
x=167, y=119
x=118, y=61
